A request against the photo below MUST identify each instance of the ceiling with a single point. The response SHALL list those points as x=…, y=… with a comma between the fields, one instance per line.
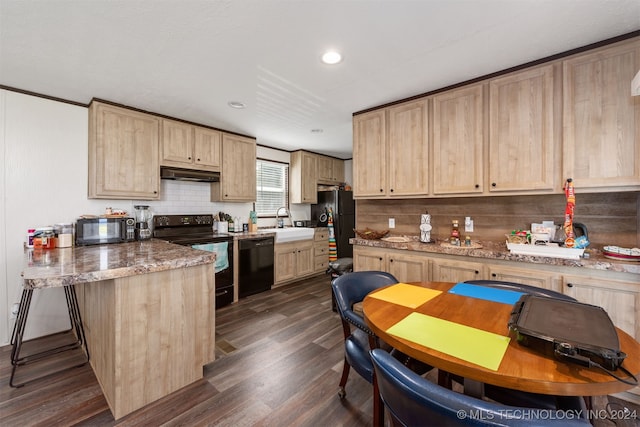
x=189, y=58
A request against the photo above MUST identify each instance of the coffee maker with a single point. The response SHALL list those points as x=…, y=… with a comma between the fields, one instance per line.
x=143, y=220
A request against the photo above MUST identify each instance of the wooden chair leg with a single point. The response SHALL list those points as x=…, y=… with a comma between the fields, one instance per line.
x=343, y=381
x=378, y=406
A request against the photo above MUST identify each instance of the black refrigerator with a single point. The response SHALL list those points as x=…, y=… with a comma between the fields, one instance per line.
x=344, y=217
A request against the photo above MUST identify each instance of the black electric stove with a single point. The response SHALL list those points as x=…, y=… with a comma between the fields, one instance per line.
x=197, y=231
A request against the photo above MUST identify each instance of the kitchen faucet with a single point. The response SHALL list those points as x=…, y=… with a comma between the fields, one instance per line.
x=280, y=222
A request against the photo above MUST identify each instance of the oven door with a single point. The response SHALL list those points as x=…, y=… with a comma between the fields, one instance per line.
x=223, y=269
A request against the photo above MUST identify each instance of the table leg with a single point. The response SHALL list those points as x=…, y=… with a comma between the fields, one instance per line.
x=473, y=388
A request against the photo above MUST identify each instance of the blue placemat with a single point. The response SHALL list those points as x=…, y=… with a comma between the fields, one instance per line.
x=482, y=292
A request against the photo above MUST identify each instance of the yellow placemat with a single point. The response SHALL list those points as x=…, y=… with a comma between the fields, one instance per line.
x=473, y=345
x=407, y=295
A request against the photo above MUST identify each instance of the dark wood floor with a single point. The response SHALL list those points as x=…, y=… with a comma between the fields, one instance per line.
x=279, y=360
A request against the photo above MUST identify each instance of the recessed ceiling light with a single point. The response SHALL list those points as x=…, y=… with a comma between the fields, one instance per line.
x=236, y=104
x=316, y=131
x=331, y=57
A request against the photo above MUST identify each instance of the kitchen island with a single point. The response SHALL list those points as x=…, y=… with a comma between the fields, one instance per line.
x=148, y=311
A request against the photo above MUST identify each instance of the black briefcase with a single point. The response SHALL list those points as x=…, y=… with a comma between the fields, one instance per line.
x=567, y=330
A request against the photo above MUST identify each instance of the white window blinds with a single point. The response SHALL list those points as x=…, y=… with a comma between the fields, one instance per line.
x=272, y=187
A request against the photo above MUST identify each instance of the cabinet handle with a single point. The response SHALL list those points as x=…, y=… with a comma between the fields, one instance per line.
x=493, y=184
x=494, y=275
x=569, y=285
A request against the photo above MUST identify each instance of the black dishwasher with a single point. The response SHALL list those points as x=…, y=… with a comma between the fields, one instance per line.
x=255, y=265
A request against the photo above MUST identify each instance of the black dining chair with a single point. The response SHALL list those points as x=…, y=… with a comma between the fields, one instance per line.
x=412, y=400
x=348, y=290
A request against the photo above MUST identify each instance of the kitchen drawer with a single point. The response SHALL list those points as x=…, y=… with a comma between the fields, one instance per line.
x=321, y=235
x=321, y=263
x=321, y=249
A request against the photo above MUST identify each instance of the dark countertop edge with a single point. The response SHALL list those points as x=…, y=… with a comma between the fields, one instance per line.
x=499, y=251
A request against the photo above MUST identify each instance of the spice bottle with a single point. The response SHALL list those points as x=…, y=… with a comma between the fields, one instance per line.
x=30, y=234
x=455, y=233
x=47, y=238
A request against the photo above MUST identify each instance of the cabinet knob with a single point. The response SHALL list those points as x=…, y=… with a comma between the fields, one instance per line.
x=477, y=185
x=189, y=158
x=155, y=192
x=569, y=285
x=197, y=160
x=381, y=190
x=380, y=259
x=391, y=190
x=477, y=272
x=493, y=184
x=494, y=275
x=391, y=260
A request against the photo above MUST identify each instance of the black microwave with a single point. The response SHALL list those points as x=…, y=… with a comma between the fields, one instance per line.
x=98, y=231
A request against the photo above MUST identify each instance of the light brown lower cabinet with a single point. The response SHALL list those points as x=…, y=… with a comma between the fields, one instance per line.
x=454, y=270
x=149, y=334
x=541, y=279
x=293, y=260
x=406, y=267
x=321, y=249
x=620, y=299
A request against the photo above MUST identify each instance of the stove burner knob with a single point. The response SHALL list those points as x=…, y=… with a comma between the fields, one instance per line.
x=162, y=221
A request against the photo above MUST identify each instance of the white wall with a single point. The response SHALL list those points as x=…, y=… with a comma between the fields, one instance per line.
x=45, y=182
x=43, y=154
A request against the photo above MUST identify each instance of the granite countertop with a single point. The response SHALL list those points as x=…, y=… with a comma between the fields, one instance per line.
x=69, y=266
x=498, y=250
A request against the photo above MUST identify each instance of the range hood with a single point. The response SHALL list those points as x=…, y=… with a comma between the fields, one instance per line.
x=189, y=175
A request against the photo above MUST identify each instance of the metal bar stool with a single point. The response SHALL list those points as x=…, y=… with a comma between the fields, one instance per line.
x=17, y=336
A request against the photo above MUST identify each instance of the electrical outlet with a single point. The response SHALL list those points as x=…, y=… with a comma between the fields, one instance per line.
x=392, y=223
x=468, y=225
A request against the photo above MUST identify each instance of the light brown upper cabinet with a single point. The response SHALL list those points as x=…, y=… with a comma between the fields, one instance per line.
x=391, y=161
x=330, y=170
x=303, y=180
x=238, y=172
x=522, y=132
x=191, y=147
x=370, y=154
x=602, y=119
x=458, y=141
x=408, y=153
x=123, y=153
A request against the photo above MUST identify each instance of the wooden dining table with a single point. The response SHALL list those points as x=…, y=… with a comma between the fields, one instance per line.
x=520, y=368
